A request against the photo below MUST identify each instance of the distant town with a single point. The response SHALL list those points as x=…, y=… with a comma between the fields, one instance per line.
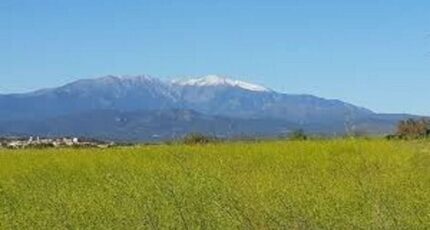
x=42, y=142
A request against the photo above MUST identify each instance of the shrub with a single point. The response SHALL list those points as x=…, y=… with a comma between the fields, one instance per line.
x=196, y=138
x=298, y=135
x=41, y=146
x=391, y=137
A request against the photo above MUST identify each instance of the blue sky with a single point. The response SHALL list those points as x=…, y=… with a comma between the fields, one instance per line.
x=371, y=53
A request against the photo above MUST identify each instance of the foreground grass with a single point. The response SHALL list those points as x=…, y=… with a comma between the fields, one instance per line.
x=341, y=184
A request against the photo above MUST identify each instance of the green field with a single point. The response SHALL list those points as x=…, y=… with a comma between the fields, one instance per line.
x=335, y=184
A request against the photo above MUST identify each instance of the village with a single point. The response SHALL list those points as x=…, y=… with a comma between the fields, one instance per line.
x=40, y=142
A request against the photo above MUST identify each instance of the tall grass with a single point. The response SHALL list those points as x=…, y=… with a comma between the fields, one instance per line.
x=336, y=184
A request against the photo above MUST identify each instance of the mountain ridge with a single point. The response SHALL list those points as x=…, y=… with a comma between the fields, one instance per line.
x=213, y=96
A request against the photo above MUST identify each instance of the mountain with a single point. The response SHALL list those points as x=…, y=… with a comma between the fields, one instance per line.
x=228, y=100
x=127, y=93
x=214, y=104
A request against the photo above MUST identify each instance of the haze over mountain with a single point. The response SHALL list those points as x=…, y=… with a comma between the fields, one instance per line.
x=145, y=108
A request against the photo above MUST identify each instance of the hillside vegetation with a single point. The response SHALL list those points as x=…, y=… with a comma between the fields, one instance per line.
x=336, y=184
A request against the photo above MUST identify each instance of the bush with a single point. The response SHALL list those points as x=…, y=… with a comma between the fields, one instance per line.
x=41, y=146
x=391, y=137
x=196, y=138
x=298, y=135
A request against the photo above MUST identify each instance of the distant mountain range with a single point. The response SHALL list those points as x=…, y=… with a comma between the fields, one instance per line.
x=143, y=108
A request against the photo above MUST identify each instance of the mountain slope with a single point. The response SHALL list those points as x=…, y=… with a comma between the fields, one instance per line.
x=226, y=97
x=109, y=92
x=145, y=125
x=156, y=125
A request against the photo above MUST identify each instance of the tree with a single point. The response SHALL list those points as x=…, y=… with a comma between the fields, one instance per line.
x=413, y=129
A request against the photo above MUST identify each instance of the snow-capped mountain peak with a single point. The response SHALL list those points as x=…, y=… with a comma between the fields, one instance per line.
x=215, y=80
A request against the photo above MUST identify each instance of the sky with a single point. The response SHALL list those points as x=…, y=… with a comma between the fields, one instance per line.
x=372, y=53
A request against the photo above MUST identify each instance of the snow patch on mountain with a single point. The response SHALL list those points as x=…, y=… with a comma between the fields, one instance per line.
x=214, y=80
